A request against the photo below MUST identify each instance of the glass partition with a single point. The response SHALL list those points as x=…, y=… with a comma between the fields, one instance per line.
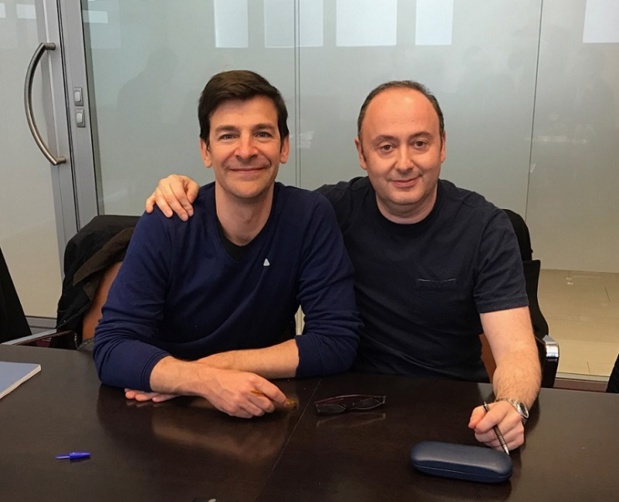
x=148, y=63
x=478, y=59
x=573, y=206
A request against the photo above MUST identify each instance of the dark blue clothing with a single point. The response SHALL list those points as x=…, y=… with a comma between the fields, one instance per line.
x=421, y=287
x=180, y=293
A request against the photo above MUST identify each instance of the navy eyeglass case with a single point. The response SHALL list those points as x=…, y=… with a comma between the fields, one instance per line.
x=472, y=463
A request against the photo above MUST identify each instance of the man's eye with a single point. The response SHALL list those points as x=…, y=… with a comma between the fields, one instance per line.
x=225, y=137
x=419, y=144
x=385, y=148
x=264, y=134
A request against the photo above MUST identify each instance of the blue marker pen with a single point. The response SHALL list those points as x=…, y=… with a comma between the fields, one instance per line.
x=74, y=455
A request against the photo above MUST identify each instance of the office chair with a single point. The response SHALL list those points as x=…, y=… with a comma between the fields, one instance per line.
x=548, y=348
x=13, y=322
x=613, y=381
x=92, y=259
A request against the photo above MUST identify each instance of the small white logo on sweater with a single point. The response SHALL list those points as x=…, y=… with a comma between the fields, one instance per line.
x=266, y=263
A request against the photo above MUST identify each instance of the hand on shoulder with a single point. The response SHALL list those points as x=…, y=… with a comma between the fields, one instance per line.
x=174, y=194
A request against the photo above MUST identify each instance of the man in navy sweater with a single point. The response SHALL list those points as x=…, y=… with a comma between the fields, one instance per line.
x=203, y=307
x=435, y=265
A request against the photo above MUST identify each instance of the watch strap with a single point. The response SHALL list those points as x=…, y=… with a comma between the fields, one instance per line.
x=521, y=408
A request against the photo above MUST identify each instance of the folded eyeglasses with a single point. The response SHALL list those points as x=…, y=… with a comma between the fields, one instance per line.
x=351, y=402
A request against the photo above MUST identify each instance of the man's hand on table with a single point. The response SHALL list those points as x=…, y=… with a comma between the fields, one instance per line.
x=238, y=393
x=243, y=394
x=141, y=396
x=503, y=415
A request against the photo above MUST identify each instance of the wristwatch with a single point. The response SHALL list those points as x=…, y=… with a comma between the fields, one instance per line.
x=520, y=407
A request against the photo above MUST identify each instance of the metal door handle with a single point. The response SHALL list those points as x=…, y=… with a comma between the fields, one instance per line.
x=34, y=130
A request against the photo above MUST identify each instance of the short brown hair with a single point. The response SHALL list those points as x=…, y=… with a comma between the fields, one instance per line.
x=238, y=85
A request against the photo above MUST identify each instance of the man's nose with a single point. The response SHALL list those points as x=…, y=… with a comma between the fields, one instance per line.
x=405, y=158
x=246, y=148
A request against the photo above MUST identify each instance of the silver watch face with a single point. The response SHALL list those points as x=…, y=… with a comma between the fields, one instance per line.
x=523, y=410
x=520, y=407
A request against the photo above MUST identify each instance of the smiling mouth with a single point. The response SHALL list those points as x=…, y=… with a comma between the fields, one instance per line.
x=253, y=169
x=406, y=183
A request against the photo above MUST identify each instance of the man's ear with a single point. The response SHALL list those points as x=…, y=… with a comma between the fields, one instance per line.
x=205, y=153
x=284, y=150
x=360, y=154
x=443, y=147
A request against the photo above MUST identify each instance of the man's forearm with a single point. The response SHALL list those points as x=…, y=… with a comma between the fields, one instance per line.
x=518, y=376
x=278, y=361
x=518, y=373
x=173, y=376
x=238, y=393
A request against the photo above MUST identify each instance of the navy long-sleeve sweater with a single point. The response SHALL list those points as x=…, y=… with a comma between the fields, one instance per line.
x=180, y=293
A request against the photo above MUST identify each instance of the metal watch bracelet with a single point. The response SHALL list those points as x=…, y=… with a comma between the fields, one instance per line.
x=521, y=408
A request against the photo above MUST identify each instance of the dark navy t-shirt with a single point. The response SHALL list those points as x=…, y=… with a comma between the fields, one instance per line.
x=421, y=287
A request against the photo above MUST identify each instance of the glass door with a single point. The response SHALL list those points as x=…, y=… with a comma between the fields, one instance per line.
x=34, y=219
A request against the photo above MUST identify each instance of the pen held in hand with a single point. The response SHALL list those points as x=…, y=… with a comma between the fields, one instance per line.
x=498, y=432
x=289, y=404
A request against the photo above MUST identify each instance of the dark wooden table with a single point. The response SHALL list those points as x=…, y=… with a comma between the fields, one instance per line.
x=185, y=450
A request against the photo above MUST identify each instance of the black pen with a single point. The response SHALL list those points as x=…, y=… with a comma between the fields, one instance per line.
x=498, y=432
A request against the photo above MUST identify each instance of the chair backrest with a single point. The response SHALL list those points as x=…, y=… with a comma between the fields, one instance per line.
x=92, y=259
x=93, y=314
x=547, y=347
x=532, y=270
x=613, y=381
x=522, y=233
x=13, y=322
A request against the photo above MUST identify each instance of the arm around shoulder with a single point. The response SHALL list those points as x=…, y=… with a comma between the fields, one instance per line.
x=174, y=194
